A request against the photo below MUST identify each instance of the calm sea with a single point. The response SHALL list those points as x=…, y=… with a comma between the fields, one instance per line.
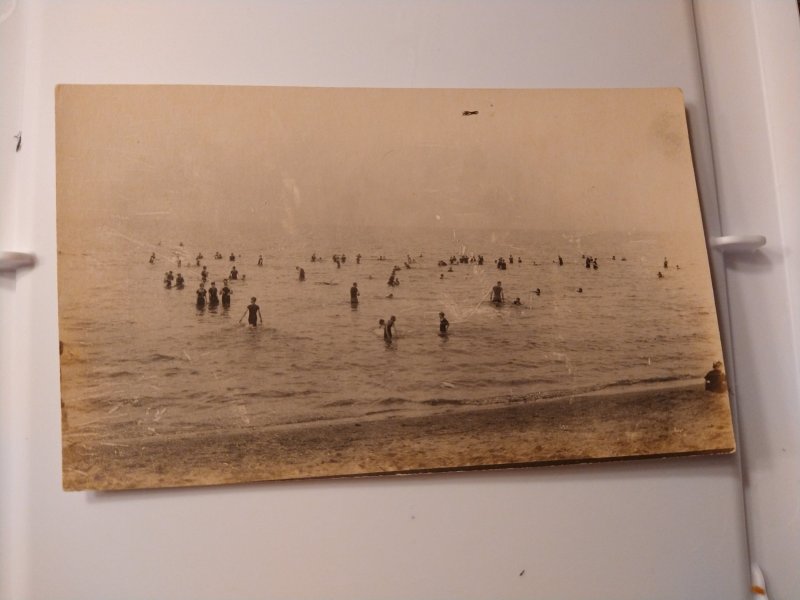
x=141, y=360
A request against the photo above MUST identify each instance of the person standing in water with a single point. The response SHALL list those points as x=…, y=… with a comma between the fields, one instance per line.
x=260, y=260
x=497, y=294
x=201, y=296
x=226, y=294
x=444, y=324
x=213, y=295
x=354, y=294
x=234, y=273
x=389, y=330
x=253, y=313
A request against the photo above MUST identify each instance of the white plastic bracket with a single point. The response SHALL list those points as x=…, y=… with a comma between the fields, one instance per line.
x=737, y=243
x=13, y=261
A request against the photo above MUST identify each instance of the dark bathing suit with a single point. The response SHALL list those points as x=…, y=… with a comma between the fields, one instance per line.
x=252, y=318
x=201, y=297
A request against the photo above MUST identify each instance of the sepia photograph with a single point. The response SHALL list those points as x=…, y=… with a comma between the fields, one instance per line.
x=272, y=283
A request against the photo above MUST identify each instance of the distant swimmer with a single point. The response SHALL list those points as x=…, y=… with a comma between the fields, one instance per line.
x=444, y=324
x=201, y=296
x=301, y=274
x=441, y=275
x=179, y=281
x=232, y=257
x=314, y=257
x=253, y=313
x=200, y=255
x=560, y=261
x=354, y=293
x=344, y=258
x=537, y=291
x=179, y=263
x=167, y=280
x=234, y=273
x=260, y=261
x=660, y=275
x=226, y=294
x=497, y=294
x=152, y=258
x=213, y=295
x=197, y=261
x=389, y=330
x=204, y=273
x=358, y=259
x=594, y=264
x=715, y=379
x=666, y=263
x=517, y=302
x=580, y=290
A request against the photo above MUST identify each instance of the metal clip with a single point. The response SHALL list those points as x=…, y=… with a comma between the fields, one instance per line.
x=13, y=261
x=737, y=243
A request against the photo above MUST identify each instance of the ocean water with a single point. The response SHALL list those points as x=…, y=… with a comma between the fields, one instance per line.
x=141, y=360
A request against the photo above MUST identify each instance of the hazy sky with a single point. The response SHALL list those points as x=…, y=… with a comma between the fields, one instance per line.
x=577, y=160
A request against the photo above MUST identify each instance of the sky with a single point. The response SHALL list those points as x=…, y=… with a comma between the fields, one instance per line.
x=562, y=160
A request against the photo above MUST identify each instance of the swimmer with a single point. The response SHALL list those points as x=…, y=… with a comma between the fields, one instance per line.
x=301, y=274
x=666, y=263
x=517, y=302
x=660, y=275
x=441, y=275
x=234, y=273
x=179, y=281
x=232, y=257
x=260, y=261
x=497, y=294
x=389, y=330
x=167, y=280
x=560, y=261
x=358, y=259
x=226, y=294
x=152, y=258
x=253, y=313
x=354, y=294
x=213, y=298
x=201, y=296
x=179, y=263
x=444, y=324
x=537, y=291
x=580, y=290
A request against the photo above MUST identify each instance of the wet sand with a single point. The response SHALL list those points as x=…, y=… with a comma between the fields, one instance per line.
x=678, y=420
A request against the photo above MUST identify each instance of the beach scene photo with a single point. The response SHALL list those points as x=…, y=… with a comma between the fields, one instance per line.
x=271, y=283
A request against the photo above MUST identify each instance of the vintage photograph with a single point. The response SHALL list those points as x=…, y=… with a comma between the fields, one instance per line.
x=270, y=283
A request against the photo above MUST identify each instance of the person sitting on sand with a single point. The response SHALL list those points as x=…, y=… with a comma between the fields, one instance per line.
x=444, y=324
x=497, y=294
x=715, y=379
x=253, y=313
x=354, y=293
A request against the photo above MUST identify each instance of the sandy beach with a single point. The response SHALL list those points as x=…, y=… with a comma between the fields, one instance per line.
x=653, y=423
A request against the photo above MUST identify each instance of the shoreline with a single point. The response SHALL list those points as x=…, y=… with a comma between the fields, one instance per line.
x=585, y=427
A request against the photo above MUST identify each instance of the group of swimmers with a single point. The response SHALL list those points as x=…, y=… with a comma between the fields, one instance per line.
x=213, y=297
